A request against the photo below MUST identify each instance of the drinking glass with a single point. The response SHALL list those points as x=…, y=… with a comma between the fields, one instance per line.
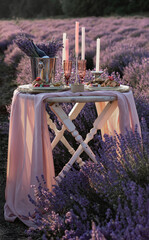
x=67, y=65
x=82, y=69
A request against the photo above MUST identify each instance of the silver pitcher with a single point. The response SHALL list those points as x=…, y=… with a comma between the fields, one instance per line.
x=43, y=68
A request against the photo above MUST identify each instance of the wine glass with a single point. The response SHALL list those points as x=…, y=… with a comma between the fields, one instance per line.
x=67, y=65
x=82, y=69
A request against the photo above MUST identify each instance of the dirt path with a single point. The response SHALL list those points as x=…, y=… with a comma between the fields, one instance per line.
x=8, y=231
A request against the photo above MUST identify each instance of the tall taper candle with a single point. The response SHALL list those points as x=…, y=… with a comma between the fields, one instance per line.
x=67, y=49
x=83, y=44
x=77, y=39
x=64, y=50
x=97, y=54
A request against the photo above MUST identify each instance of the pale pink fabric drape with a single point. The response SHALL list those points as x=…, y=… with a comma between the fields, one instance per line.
x=29, y=148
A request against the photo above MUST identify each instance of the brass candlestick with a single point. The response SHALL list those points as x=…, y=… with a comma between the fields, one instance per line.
x=76, y=70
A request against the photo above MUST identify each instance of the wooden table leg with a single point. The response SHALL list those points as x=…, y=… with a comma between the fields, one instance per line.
x=72, y=115
x=98, y=123
x=59, y=133
x=63, y=140
x=59, y=112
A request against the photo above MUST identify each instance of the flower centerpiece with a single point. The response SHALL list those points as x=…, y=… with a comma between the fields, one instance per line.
x=31, y=49
x=43, y=59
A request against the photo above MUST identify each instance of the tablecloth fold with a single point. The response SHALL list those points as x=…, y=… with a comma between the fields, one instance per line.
x=29, y=147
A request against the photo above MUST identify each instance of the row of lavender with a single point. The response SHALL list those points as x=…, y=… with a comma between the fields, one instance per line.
x=124, y=47
x=108, y=200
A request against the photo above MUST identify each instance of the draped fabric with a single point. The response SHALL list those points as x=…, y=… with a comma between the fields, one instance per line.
x=29, y=147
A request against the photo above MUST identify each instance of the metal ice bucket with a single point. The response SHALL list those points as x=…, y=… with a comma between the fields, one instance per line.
x=43, y=68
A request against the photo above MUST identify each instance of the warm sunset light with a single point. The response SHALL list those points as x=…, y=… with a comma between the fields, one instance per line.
x=74, y=120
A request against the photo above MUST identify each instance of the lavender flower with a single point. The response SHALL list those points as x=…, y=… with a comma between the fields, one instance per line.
x=51, y=48
x=112, y=194
x=27, y=46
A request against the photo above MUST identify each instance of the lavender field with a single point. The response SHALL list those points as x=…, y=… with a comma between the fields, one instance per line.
x=108, y=200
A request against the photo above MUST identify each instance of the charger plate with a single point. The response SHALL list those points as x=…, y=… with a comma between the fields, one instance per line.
x=121, y=88
x=28, y=88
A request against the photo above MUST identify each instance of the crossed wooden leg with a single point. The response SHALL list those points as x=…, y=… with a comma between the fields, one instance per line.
x=59, y=133
x=68, y=124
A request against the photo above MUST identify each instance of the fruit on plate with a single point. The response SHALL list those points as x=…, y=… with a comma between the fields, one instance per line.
x=95, y=82
x=38, y=82
x=110, y=82
x=57, y=84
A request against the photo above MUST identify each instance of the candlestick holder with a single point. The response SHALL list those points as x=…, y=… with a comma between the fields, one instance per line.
x=97, y=76
x=76, y=80
x=62, y=77
x=77, y=86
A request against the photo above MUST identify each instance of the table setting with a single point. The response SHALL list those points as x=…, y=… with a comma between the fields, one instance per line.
x=43, y=59
x=30, y=148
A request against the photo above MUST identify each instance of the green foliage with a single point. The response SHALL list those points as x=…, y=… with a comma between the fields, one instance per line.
x=4, y=9
x=73, y=8
x=32, y=8
x=103, y=7
x=83, y=8
x=138, y=6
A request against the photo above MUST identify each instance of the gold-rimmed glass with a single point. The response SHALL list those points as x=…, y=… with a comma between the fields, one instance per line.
x=67, y=65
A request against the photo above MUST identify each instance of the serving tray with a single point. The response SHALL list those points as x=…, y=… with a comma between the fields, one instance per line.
x=28, y=88
x=121, y=88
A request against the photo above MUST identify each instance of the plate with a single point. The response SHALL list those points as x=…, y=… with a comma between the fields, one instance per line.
x=121, y=88
x=28, y=88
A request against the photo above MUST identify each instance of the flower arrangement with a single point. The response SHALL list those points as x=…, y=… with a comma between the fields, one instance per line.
x=51, y=48
x=37, y=50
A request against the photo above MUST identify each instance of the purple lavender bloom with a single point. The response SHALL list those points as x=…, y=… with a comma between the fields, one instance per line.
x=51, y=48
x=112, y=194
x=26, y=45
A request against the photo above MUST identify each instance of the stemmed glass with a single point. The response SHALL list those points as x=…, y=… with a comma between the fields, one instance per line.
x=67, y=65
x=82, y=69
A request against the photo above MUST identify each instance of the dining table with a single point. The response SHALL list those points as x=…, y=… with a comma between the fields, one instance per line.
x=30, y=150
